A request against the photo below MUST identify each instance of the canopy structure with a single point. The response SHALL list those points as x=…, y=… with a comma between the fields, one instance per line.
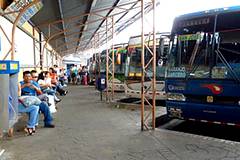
x=71, y=26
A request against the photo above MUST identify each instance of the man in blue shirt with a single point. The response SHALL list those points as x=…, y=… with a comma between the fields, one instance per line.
x=28, y=87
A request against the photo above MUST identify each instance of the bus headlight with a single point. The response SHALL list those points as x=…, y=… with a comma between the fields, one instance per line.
x=138, y=74
x=130, y=74
x=176, y=97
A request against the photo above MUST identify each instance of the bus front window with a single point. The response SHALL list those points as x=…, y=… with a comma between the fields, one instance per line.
x=190, y=55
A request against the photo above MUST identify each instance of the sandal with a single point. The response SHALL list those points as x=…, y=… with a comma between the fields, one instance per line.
x=29, y=131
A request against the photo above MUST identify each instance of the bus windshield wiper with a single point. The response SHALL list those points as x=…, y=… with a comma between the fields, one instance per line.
x=199, y=58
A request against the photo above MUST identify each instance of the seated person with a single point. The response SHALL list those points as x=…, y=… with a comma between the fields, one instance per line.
x=28, y=88
x=51, y=75
x=39, y=81
x=33, y=114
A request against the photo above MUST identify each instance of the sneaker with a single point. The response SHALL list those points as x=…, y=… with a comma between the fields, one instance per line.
x=49, y=126
x=58, y=100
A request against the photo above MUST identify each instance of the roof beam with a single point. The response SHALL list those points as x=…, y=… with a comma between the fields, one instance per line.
x=61, y=14
x=82, y=15
x=109, y=12
x=85, y=20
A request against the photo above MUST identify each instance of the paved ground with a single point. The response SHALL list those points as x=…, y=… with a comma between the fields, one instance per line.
x=87, y=129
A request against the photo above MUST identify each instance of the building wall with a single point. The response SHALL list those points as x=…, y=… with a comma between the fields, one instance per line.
x=24, y=46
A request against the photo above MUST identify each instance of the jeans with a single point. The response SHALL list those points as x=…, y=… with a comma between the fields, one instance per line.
x=43, y=107
x=33, y=114
x=49, y=91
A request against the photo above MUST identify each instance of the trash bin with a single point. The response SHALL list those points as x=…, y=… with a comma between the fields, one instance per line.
x=101, y=84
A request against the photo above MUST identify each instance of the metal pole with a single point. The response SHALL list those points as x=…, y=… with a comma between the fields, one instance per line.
x=49, y=30
x=53, y=57
x=107, y=59
x=154, y=67
x=47, y=58
x=95, y=57
x=34, y=50
x=99, y=60
x=113, y=58
x=143, y=64
x=144, y=89
x=41, y=51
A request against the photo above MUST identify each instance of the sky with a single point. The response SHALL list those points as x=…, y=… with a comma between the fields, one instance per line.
x=169, y=9
x=165, y=14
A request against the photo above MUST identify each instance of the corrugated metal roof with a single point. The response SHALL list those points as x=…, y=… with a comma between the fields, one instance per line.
x=75, y=22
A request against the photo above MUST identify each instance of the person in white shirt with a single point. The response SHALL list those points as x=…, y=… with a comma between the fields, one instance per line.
x=46, y=85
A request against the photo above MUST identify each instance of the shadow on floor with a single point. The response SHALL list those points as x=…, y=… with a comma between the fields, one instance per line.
x=204, y=129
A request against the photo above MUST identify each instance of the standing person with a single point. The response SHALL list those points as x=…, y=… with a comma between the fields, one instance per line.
x=28, y=87
x=74, y=74
x=69, y=75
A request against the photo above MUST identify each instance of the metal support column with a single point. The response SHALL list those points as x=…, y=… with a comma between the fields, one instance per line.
x=147, y=108
x=47, y=55
x=53, y=54
x=99, y=57
x=41, y=50
x=34, y=50
x=107, y=59
x=113, y=59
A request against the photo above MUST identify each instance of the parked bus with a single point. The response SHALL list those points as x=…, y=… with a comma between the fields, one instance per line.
x=92, y=68
x=120, y=55
x=203, y=75
x=134, y=71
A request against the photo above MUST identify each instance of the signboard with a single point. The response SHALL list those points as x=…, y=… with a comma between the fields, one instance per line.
x=9, y=67
x=19, y=4
x=190, y=37
x=102, y=81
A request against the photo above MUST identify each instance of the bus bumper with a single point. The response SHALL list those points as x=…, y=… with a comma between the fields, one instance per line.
x=224, y=114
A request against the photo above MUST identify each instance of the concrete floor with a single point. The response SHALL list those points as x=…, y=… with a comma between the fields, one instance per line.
x=87, y=129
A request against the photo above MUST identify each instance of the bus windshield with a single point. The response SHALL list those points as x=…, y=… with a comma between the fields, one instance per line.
x=135, y=62
x=120, y=60
x=199, y=52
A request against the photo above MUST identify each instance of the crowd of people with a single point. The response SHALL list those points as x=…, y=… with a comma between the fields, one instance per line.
x=35, y=93
x=78, y=75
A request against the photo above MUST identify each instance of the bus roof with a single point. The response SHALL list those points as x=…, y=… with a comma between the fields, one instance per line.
x=209, y=12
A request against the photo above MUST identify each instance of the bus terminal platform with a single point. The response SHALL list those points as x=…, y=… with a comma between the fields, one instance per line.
x=90, y=129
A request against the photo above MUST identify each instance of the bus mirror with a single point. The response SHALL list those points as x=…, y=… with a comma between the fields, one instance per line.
x=161, y=47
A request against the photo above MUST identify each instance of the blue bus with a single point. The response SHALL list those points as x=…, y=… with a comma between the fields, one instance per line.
x=203, y=74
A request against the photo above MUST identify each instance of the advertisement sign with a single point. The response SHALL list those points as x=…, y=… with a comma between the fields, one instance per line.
x=18, y=5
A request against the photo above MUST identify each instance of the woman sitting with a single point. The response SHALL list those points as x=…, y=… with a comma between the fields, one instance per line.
x=51, y=75
x=46, y=85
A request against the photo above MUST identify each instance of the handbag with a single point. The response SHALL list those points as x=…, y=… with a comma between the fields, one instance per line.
x=29, y=100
